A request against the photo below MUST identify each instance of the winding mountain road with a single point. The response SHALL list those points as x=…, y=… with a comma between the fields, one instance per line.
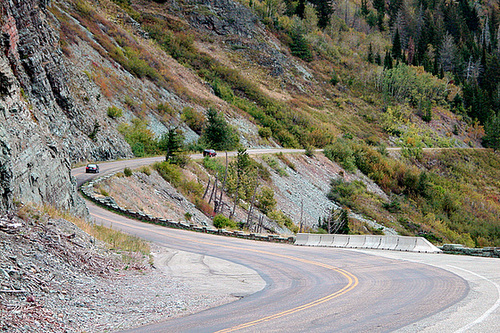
x=312, y=289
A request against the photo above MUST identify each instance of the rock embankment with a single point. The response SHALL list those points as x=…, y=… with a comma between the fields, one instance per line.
x=43, y=127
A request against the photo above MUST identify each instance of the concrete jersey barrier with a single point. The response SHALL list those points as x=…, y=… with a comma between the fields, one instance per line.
x=340, y=240
x=356, y=241
x=326, y=240
x=394, y=243
x=372, y=241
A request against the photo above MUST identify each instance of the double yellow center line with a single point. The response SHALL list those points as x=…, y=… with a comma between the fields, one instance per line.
x=351, y=278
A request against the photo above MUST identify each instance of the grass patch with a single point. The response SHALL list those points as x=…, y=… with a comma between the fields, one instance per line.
x=115, y=240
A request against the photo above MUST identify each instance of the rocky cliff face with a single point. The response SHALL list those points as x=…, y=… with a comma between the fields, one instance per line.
x=58, y=78
x=43, y=129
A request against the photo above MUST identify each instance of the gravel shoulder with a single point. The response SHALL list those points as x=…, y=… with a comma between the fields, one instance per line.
x=56, y=278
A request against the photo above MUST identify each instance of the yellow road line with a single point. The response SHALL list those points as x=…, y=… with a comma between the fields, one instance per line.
x=352, y=279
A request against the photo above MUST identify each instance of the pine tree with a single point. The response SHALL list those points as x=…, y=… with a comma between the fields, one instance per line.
x=324, y=9
x=370, y=54
x=492, y=130
x=301, y=9
x=396, y=46
x=388, y=60
x=300, y=48
x=172, y=143
x=218, y=134
x=379, y=5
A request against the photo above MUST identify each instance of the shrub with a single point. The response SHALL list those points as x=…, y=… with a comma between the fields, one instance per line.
x=164, y=108
x=146, y=170
x=127, y=172
x=342, y=152
x=346, y=193
x=406, y=83
x=281, y=219
x=285, y=160
x=223, y=90
x=139, y=137
x=191, y=188
x=203, y=206
x=194, y=119
x=309, y=151
x=221, y=222
x=265, y=200
x=170, y=172
x=273, y=163
x=114, y=112
x=265, y=132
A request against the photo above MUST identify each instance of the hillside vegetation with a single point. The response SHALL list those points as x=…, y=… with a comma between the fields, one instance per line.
x=350, y=77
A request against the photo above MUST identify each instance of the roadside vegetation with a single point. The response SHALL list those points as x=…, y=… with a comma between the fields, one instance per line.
x=128, y=246
x=446, y=196
x=366, y=75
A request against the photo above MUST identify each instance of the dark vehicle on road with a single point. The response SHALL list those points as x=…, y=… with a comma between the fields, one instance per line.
x=92, y=168
x=209, y=152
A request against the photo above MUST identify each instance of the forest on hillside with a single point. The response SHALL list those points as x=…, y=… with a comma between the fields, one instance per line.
x=453, y=40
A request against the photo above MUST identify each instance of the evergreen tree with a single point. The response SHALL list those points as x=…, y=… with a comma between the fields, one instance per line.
x=300, y=10
x=364, y=8
x=379, y=5
x=324, y=10
x=218, y=134
x=492, y=130
x=172, y=143
x=300, y=48
x=370, y=54
x=393, y=10
x=396, y=46
x=388, y=60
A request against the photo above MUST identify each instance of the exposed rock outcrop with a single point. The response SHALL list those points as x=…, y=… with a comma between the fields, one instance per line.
x=43, y=129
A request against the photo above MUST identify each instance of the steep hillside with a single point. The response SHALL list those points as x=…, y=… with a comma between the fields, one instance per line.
x=85, y=80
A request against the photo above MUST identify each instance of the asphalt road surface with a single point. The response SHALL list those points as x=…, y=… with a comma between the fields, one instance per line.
x=308, y=289
x=312, y=289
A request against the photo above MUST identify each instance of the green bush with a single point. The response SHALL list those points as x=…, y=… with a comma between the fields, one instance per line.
x=407, y=83
x=346, y=193
x=194, y=119
x=265, y=200
x=114, y=112
x=285, y=160
x=342, y=152
x=222, y=222
x=145, y=170
x=281, y=219
x=139, y=137
x=127, y=172
x=265, y=132
x=165, y=108
x=170, y=172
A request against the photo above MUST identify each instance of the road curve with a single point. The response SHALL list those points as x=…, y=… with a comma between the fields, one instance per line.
x=308, y=289
x=318, y=289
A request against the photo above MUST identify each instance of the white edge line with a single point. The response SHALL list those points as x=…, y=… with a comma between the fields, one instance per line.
x=489, y=311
